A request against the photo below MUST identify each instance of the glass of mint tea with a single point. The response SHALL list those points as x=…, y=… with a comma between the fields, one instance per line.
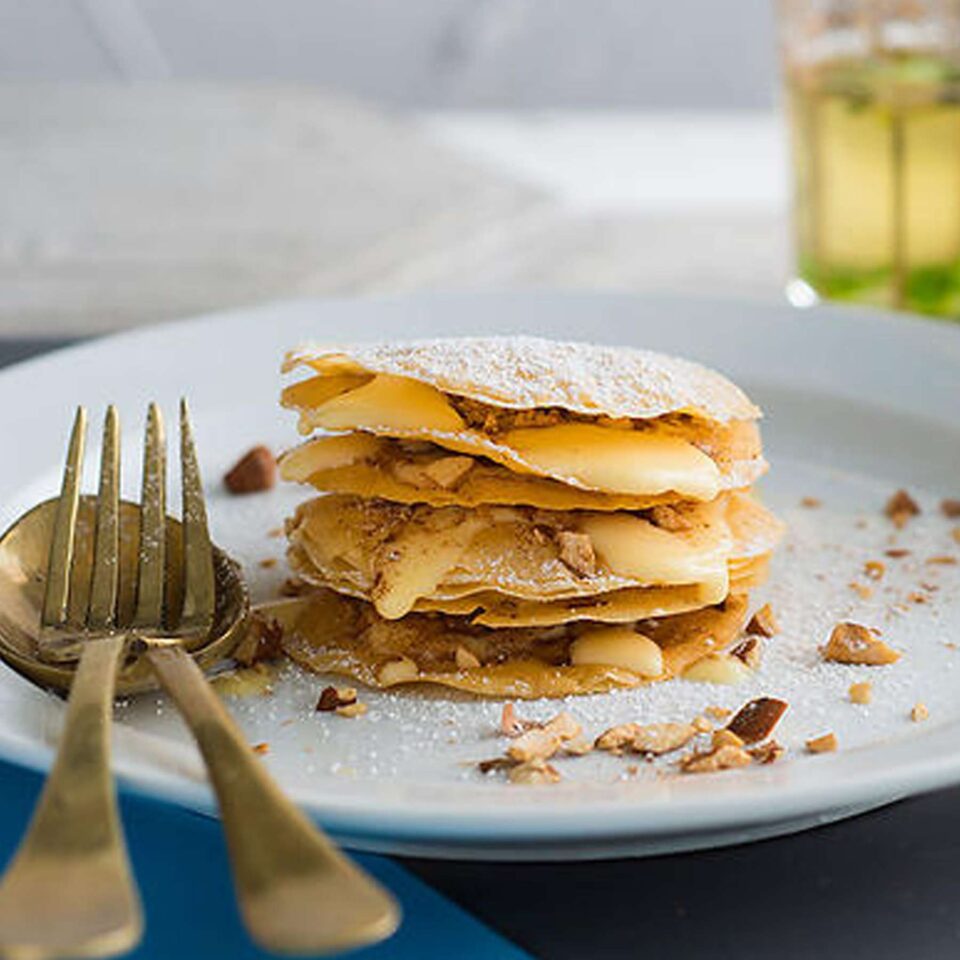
x=873, y=100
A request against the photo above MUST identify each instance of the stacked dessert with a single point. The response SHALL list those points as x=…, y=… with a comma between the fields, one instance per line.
x=520, y=517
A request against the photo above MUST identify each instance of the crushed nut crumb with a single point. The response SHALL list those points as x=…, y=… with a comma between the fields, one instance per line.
x=863, y=591
x=333, y=697
x=718, y=713
x=725, y=757
x=541, y=743
x=897, y=552
x=533, y=773
x=668, y=518
x=268, y=562
x=768, y=752
x=577, y=552
x=811, y=503
x=465, y=659
x=861, y=692
x=826, y=743
x=351, y=710
x=943, y=559
x=652, y=739
x=919, y=713
x=255, y=471
x=874, y=569
x=900, y=508
x=950, y=507
x=261, y=748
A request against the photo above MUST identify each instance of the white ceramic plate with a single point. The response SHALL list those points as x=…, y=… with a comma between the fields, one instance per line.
x=857, y=405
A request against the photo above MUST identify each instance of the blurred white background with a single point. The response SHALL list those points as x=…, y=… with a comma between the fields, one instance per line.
x=161, y=158
x=423, y=54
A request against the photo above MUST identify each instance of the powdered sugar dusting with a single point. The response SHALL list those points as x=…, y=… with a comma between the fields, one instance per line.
x=523, y=372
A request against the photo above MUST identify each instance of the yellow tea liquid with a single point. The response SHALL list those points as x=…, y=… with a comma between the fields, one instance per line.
x=876, y=148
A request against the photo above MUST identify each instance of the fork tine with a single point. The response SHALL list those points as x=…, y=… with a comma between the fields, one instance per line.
x=153, y=532
x=199, y=591
x=101, y=613
x=57, y=592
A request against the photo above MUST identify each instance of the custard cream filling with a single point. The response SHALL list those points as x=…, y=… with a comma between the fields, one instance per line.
x=396, y=555
x=585, y=455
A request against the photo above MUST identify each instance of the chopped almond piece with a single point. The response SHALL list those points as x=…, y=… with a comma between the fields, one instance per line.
x=918, y=597
x=768, y=752
x=255, y=471
x=919, y=713
x=577, y=552
x=943, y=559
x=350, y=710
x=854, y=643
x=465, y=659
x=811, y=503
x=861, y=589
x=901, y=507
x=510, y=724
x=668, y=518
x=723, y=758
x=874, y=569
x=332, y=698
x=534, y=773
x=861, y=692
x=755, y=720
x=725, y=738
x=826, y=743
x=950, y=508
x=576, y=747
x=654, y=738
x=541, y=743
x=763, y=622
x=897, y=552
x=447, y=472
x=261, y=748
x=748, y=652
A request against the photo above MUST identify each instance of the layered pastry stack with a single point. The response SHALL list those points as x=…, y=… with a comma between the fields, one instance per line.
x=520, y=517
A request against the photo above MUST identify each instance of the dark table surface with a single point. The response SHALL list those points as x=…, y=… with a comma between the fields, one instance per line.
x=884, y=885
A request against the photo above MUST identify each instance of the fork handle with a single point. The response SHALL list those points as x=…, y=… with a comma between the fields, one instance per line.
x=69, y=890
x=297, y=892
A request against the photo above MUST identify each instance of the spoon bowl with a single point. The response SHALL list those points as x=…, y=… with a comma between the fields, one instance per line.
x=24, y=551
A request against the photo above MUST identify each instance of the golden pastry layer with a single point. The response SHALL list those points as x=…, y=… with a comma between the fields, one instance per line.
x=330, y=633
x=604, y=443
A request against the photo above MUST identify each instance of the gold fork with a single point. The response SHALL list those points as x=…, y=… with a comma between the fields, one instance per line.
x=297, y=892
x=69, y=890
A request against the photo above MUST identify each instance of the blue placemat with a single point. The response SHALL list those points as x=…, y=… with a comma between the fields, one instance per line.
x=181, y=865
